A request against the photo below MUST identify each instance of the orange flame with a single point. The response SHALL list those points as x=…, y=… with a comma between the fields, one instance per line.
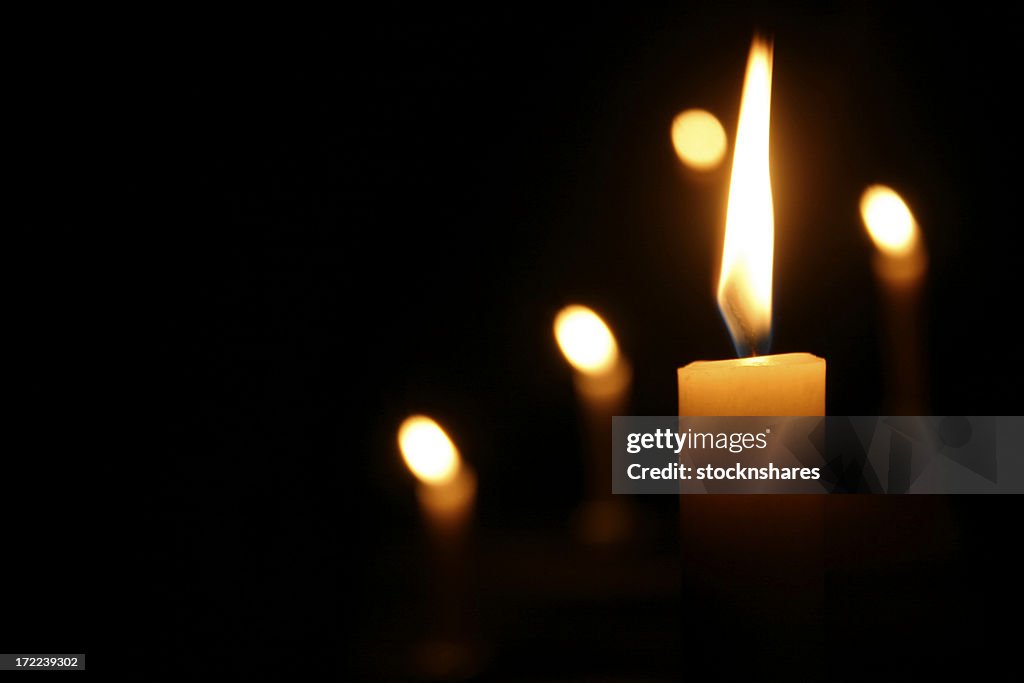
x=427, y=450
x=745, y=281
x=889, y=222
x=586, y=341
x=699, y=139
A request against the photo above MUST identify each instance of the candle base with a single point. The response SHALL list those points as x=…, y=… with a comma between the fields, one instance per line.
x=446, y=659
x=754, y=579
x=604, y=522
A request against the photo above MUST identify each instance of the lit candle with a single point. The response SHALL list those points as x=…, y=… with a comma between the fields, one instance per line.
x=789, y=384
x=699, y=140
x=756, y=560
x=896, y=528
x=900, y=265
x=446, y=491
x=602, y=377
x=446, y=486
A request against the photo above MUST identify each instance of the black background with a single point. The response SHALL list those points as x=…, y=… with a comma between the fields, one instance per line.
x=291, y=235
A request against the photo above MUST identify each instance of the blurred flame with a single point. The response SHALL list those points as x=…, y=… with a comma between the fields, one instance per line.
x=585, y=340
x=888, y=220
x=427, y=450
x=745, y=282
x=699, y=139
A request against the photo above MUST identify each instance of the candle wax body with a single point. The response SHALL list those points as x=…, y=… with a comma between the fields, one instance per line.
x=753, y=565
x=603, y=517
x=900, y=281
x=448, y=506
x=786, y=384
x=601, y=397
x=448, y=651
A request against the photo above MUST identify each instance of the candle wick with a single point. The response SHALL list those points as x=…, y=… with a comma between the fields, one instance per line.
x=745, y=331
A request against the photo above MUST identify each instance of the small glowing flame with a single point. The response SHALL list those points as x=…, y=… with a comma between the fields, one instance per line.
x=745, y=282
x=888, y=220
x=427, y=450
x=699, y=139
x=585, y=340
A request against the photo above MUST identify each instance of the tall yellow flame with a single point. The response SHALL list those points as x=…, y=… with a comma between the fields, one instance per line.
x=427, y=450
x=745, y=282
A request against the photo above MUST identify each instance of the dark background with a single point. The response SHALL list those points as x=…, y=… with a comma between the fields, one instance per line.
x=293, y=235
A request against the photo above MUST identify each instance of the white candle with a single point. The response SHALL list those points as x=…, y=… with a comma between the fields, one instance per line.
x=750, y=558
x=899, y=528
x=900, y=265
x=446, y=491
x=602, y=377
x=788, y=384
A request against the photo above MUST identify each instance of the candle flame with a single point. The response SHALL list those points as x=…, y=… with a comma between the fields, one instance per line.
x=889, y=222
x=585, y=340
x=699, y=139
x=427, y=450
x=745, y=282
